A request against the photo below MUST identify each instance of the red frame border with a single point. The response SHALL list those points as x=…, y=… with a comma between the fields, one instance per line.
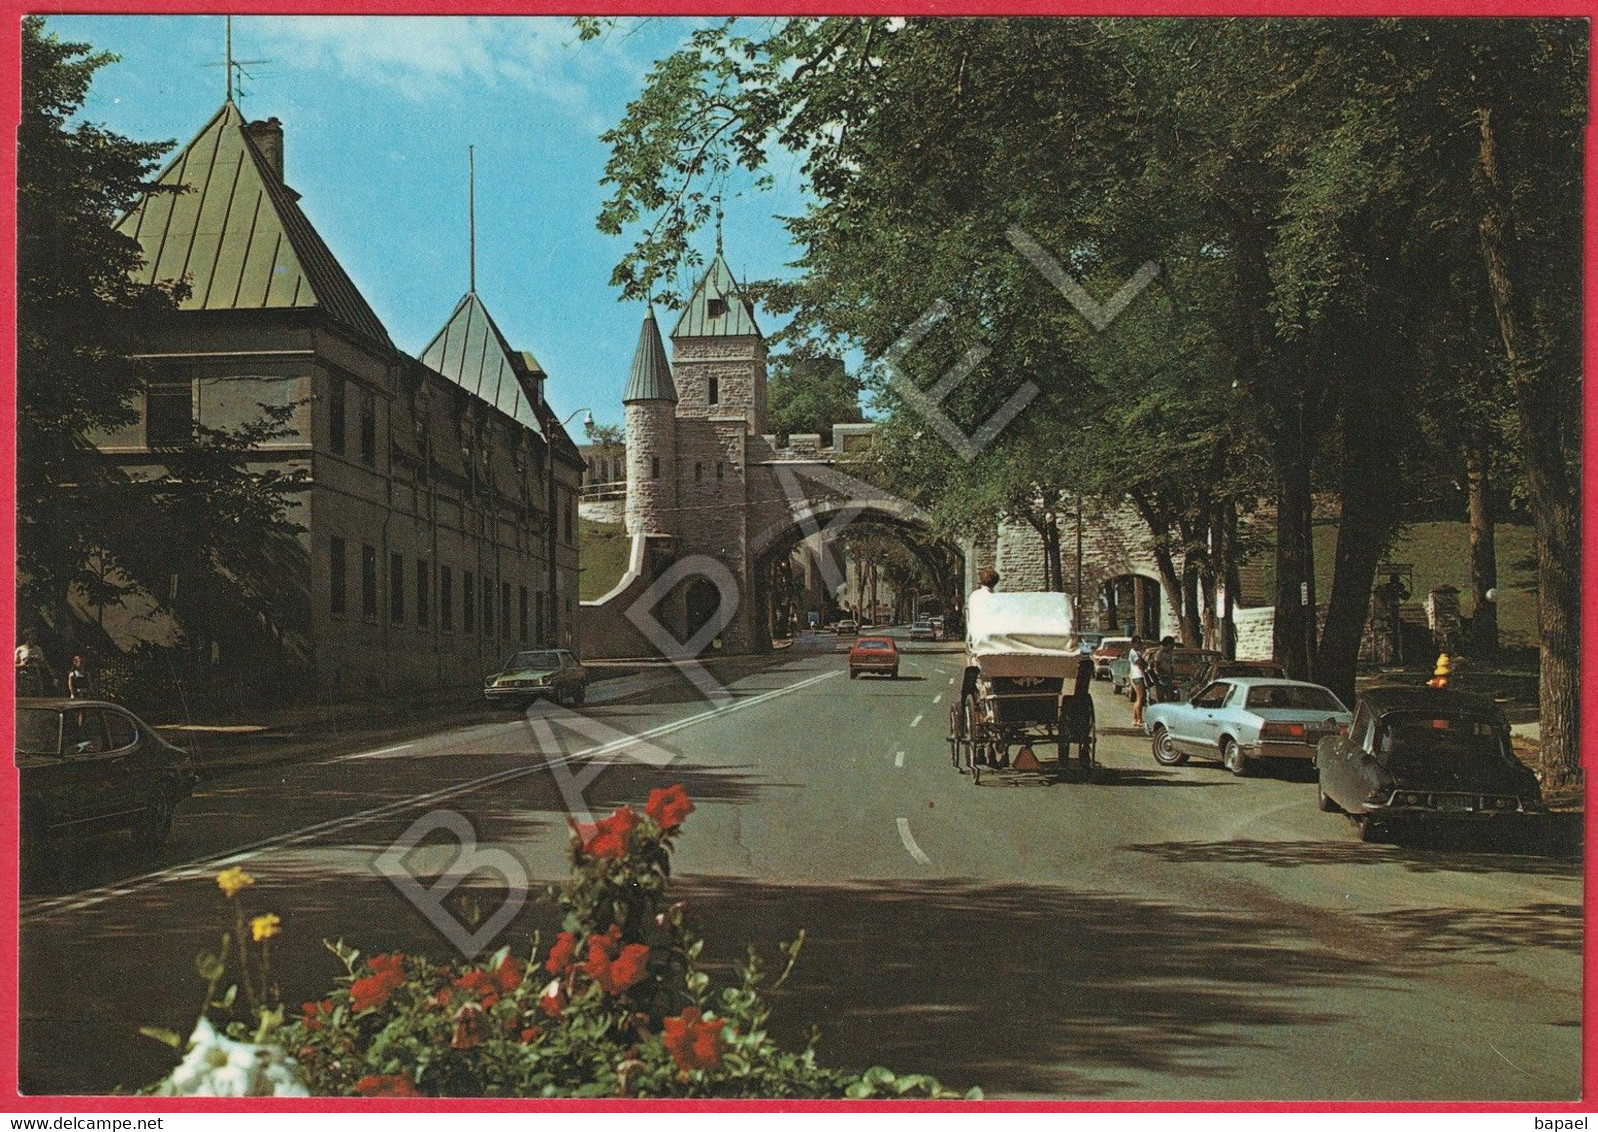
x=10, y=105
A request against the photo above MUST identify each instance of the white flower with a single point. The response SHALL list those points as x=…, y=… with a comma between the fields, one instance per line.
x=218, y=1066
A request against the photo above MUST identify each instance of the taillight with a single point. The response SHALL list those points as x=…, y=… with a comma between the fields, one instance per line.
x=1273, y=730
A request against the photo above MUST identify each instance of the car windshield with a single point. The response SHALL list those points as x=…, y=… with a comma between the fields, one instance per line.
x=1429, y=734
x=874, y=646
x=38, y=731
x=1293, y=697
x=532, y=660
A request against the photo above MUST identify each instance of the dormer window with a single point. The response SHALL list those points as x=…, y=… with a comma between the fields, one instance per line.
x=718, y=308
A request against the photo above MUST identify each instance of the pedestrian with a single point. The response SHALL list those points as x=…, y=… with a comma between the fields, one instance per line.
x=1136, y=674
x=79, y=684
x=1159, y=677
x=34, y=677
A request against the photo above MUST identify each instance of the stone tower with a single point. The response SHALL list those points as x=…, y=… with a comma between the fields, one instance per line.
x=650, y=407
x=720, y=353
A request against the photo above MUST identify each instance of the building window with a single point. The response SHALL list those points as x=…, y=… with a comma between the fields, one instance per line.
x=468, y=602
x=169, y=414
x=488, y=606
x=396, y=588
x=699, y=471
x=369, y=431
x=446, y=599
x=521, y=613
x=721, y=470
x=504, y=609
x=715, y=391
x=717, y=308
x=335, y=575
x=654, y=467
x=538, y=614
x=424, y=579
x=336, y=424
x=369, y=582
x=424, y=454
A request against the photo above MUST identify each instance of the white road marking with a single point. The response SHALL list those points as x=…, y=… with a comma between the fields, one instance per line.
x=917, y=720
x=938, y=699
x=204, y=866
x=910, y=845
x=898, y=759
x=951, y=679
x=368, y=754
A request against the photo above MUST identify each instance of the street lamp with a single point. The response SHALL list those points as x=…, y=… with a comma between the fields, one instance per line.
x=554, y=521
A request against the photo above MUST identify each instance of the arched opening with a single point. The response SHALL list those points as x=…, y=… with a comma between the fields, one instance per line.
x=1130, y=605
x=703, y=599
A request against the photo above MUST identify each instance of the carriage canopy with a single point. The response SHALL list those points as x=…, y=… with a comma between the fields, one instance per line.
x=1020, y=625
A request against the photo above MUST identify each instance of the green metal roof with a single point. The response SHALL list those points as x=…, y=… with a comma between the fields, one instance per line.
x=472, y=353
x=737, y=317
x=651, y=376
x=237, y=235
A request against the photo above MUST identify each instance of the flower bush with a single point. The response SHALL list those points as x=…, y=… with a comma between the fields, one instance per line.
x=617, y=1005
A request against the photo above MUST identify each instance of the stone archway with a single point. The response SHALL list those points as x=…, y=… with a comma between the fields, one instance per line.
x=702, y=600
x=1132, y=605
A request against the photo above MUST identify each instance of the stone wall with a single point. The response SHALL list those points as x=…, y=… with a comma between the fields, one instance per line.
x=651, y=488
x=739, y=367
x=603, y=510
x=1254, y=632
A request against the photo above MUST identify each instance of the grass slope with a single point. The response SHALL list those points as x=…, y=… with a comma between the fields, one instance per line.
x=604, y=548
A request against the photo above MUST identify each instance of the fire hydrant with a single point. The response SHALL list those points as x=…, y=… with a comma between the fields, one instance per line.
x=1445, y=669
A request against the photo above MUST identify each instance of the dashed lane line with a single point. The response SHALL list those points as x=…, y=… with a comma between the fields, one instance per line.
x=46, y=909
x=898, y=759
x=916, y=721
x=910, y=845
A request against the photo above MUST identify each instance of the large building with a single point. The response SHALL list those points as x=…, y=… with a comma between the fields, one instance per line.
x=438, y=513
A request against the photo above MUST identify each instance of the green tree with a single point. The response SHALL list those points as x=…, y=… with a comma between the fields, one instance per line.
x=811, y=394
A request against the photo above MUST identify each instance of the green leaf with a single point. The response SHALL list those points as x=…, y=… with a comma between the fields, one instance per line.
x=165, y=1037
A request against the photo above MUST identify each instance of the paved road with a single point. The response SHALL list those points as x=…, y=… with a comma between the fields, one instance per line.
x=1162, y=933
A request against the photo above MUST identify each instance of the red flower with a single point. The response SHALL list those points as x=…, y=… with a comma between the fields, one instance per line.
x=601, y=949
x=388, y=975
x=609, y=838
x=312, y=1013
x=471, y=1026
x=531, y=1034
x=553, y=1000
x=387, y=1085
x=562, y=955
x=481, y=983
x=626, y=970
x=669, y=806
x=693, y=1042
x=508, y=976
x=443, y=997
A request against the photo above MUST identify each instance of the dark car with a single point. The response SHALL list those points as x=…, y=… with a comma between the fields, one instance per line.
x=536, y=674
x=874, y=654
x=86, y=765
x=1423, y=754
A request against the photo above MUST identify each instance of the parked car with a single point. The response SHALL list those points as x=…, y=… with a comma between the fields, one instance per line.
x=1423, y=754
x=921, y=630
x=1242, y=720
x=86, y=764
x=874, y=654
x=848, y=627
x=1186, y=671
x=526, y=677
x=939, y=626
x=1088, y=642
x=1109, y=649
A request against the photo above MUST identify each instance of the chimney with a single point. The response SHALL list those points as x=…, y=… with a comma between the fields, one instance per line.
x=268, y=138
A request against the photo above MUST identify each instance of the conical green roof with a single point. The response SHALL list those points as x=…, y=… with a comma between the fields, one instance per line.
x=718, y=309
x=230, y=227
x=472, y=353
x=651, y=376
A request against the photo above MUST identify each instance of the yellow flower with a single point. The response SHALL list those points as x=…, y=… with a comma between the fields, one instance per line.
x=264, y=927
x=230, y=881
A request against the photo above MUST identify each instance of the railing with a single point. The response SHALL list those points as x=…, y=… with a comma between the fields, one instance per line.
x=616, y=489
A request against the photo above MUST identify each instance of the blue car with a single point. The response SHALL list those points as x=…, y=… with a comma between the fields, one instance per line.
x=1244, y=719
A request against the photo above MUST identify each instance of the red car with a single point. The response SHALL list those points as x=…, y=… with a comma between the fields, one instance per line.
x=874, y=654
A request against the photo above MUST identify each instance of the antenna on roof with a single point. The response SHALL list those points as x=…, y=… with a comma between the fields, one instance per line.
x=471, y=217
x=233, y=69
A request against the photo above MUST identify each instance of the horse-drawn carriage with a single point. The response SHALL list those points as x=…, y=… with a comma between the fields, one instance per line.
x=1026, y=683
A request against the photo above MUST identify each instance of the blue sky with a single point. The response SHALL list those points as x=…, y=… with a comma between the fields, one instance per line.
x=377, y=113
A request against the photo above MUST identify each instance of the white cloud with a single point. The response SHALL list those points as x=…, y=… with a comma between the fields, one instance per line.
x=425, y=58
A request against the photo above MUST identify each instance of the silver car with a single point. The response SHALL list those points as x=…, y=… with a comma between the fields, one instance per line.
x=1243, y=719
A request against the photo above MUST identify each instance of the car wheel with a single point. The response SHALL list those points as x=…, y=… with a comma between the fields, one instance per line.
x=155, y=827
x=894, y=675
x=1369, y=828
x=1233, y=759
x=1165, y=751
x=1325, y=804
x=854, y=674
x=579, y=694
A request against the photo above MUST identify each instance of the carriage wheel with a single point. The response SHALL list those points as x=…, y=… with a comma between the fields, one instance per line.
x=956, y=736
x=1090, y=747
x=972, y=727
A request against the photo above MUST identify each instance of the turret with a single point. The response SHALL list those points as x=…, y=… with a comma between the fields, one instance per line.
x=720, y=353
x=650, y=408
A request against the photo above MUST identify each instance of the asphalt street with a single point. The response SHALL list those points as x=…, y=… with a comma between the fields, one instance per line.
x=1159, y=933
